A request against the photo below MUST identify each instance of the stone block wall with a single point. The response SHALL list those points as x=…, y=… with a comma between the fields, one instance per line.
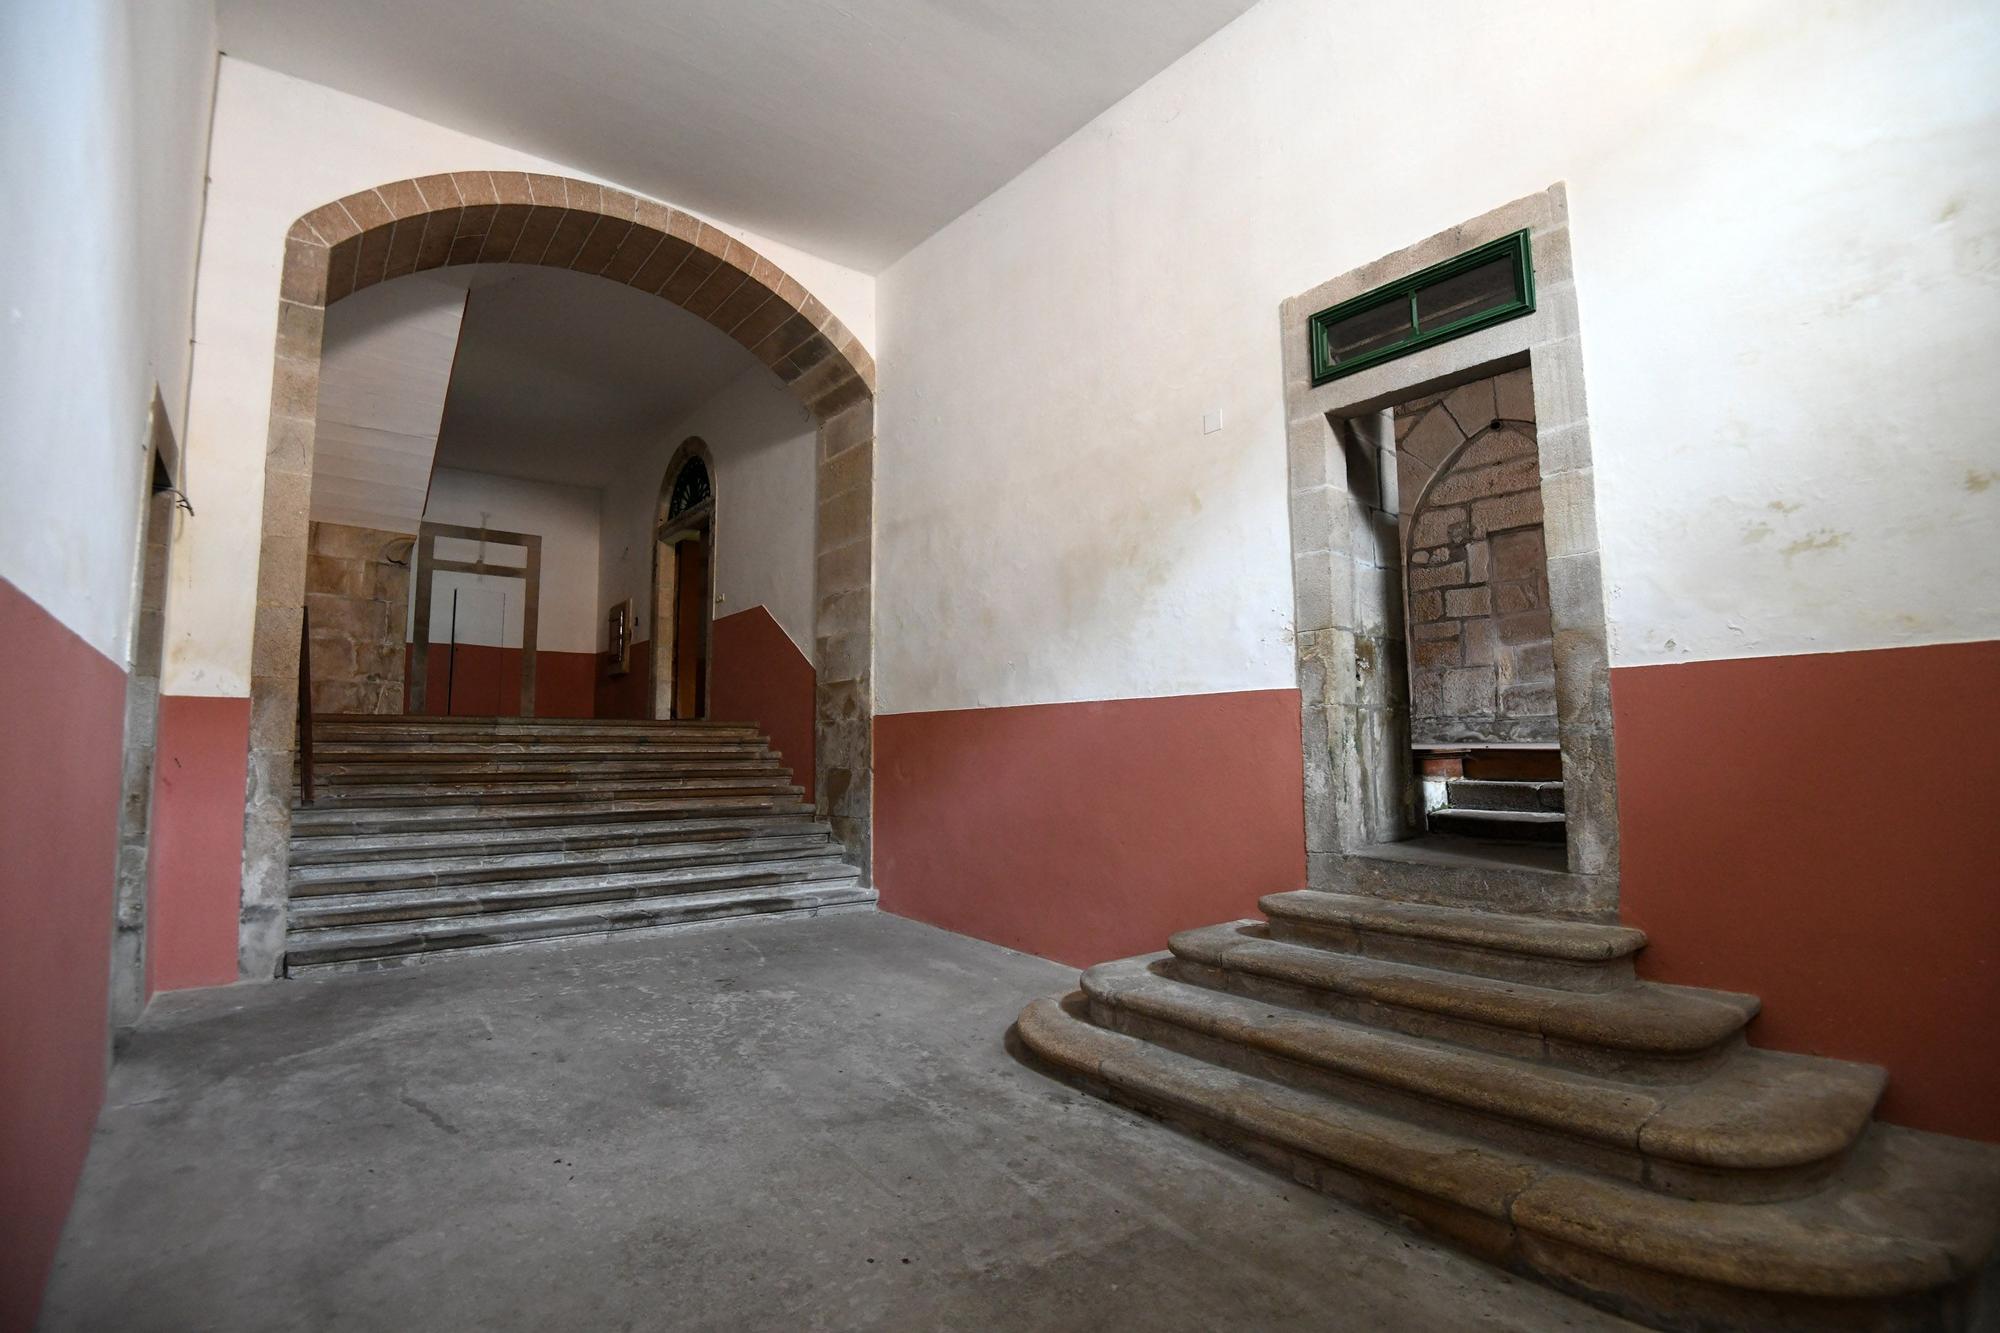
x=357, y=595
x=1482, y=655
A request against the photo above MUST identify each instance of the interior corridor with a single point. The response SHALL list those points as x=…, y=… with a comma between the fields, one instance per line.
x=927, y=664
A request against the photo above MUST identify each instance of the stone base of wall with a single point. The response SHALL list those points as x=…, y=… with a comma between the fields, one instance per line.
x=358, y=594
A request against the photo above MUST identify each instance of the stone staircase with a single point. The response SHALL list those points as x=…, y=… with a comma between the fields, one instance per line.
x=432, y=835
x=1507, y=1083
x=1501, y=810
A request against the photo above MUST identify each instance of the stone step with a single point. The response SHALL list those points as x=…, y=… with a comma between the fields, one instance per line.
x=433, y=731
x=1568, y=955
x=1762, y=1125
x=1645, y=1030
x=1503, y=794
x=609, y=886
x=341, y=773
x=544, y=792
x=387, y=944
x=314, y=820
x=494, y=864
x=1894, y=1240
x=430, y=752
x=357, y=850
x=387, y=723
x=1500, y=825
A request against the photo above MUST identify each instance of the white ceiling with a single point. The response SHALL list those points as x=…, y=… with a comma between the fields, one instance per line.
x=559, y=374
x=849, y=128
x=383, y=372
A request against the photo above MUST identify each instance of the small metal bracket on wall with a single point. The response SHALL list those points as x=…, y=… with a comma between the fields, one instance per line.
x=427, y=566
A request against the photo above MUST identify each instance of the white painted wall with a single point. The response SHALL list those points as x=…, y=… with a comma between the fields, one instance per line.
x=762, y=443
x=1787, y=238
x=564, y=517
x=103, y=129
x=281, y=148
x=385, y=366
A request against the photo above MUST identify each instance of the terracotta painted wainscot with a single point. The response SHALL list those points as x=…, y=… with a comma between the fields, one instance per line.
x=195, y=875
x=1814, y=830
x=60, y=757
x=759, y=676
x=1089, y=831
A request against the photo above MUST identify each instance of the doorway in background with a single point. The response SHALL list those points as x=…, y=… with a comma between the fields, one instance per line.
x=684, y=586
x=478, y=596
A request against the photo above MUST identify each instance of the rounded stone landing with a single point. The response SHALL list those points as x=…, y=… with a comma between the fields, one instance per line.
x=1507, y=1083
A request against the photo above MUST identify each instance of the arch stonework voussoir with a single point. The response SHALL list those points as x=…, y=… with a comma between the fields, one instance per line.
x=512, y=217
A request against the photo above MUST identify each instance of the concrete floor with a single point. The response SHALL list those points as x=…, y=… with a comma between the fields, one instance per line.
x=799, y=1125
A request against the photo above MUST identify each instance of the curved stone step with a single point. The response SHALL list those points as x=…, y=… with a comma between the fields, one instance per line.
x=1892, y=1242
x=494, y=864
x=361, y=948
x=1569, y=955
x=501, y=896
x=1762, y=1125
x=313, y=820
x=360, y=851
x=1644, y=1029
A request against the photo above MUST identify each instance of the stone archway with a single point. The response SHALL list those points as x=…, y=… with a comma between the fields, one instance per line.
x=492, y=217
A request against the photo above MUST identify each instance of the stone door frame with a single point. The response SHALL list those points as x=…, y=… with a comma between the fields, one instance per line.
x=1347, y=574
x=425, y=566
x=472, y=217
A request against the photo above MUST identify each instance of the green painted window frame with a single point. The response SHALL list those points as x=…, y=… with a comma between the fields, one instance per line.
x=1406, y=290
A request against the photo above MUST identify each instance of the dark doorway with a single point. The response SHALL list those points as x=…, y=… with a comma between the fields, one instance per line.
x=683, y=586
x=691, y=572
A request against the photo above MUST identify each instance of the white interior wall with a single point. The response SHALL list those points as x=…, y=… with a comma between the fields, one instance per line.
x=490, y=607
x=762, y=443
x=1786, y=229
x=104, y=113
x=385, y=368
x=282, y=147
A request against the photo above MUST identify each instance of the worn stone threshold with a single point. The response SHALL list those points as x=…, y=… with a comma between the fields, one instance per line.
x=1446, y=849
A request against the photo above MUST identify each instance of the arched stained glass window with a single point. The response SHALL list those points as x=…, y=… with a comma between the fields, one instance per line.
x=690, y=488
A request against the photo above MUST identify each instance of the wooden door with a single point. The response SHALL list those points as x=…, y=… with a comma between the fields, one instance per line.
x=691, y=627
